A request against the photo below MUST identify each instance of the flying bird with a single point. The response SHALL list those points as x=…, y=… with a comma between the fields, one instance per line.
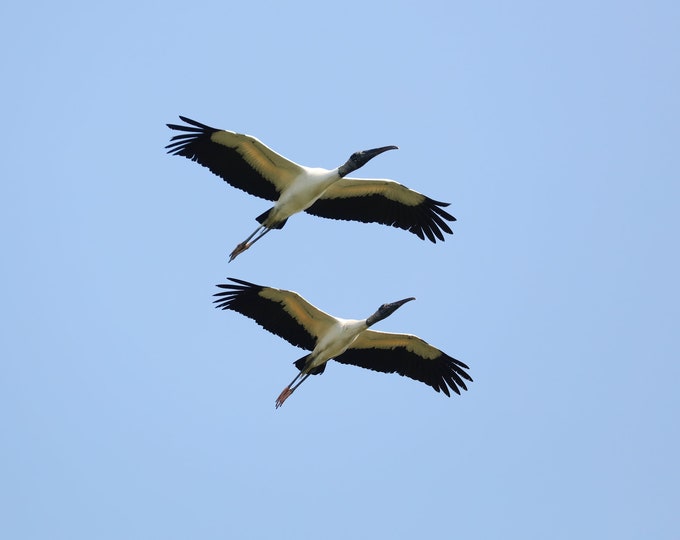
x=348, y=341
x=247, y=164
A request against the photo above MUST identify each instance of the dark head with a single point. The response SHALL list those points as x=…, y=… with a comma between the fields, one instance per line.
x=386, y=310
x=359, y=159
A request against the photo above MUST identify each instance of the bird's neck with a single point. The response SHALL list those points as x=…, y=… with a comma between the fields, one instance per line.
x=345, y=169
x=373, y=319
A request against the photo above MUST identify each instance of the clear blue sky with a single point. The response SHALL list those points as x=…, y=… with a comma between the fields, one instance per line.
x=131, y=409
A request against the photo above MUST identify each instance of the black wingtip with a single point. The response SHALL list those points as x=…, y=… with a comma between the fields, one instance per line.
x=243, y=282
x=198, y=127
x=231, y=290
x=195, y=123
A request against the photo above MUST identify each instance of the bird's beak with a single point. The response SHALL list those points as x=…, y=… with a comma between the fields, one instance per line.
x=394, y=306
x=370, y=154
x=400, y=303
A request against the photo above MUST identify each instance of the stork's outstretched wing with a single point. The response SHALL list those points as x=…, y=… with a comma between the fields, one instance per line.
x=387, y=202
x=281, y=312
x=243, y=161
x=409, y=356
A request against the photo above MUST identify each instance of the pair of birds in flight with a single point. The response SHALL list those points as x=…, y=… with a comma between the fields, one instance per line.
x=247, y=164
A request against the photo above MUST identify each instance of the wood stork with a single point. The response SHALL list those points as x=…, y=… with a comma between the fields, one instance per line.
x=247, y=164
x=348, y=341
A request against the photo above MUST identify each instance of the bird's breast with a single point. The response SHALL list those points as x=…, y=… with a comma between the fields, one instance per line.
x=337, y=340
x=305, y=190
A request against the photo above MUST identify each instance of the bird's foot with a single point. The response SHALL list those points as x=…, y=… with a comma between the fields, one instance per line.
x=283, y=396
x=238, y=250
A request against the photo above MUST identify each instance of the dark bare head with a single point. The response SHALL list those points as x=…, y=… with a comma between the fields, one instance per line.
x=386, y=310
x=359, y=159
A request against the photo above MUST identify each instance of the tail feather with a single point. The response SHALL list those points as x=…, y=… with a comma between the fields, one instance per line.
x=302, y=363
x=263, y=217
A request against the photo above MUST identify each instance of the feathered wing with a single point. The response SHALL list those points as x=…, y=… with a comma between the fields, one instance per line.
x=241, y=160
x=387, y=202
x=281, y=312
x=409, y=356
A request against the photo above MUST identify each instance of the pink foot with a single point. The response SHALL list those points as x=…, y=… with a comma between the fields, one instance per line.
x=238, y=250
x=284, y=396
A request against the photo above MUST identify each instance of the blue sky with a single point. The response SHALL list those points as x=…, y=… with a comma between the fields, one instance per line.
x=131, y=408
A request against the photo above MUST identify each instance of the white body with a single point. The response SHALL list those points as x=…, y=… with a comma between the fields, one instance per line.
x=302, y=193
x=336, y=340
